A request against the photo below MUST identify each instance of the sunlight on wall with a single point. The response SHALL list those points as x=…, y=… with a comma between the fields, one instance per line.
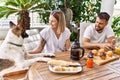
x=117, y=5
x=117, y=8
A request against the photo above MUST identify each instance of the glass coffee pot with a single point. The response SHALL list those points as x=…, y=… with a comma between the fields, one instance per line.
x=77, y=52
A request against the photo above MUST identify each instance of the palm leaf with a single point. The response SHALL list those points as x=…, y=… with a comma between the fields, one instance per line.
x=33, y=3
x=21, y=6
x=2, y=8
x=27, y=6
x=23, y=1
x=11, y=3
x=27, y=1
x=2, y=15
x=30, y=3
x=40, y=5
x=5, y=10
x=9, y=13
x=17, y=1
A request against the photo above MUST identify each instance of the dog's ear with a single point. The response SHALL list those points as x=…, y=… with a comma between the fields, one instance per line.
x=11, y=24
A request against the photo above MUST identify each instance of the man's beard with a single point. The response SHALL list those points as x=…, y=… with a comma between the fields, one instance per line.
x=99, y=30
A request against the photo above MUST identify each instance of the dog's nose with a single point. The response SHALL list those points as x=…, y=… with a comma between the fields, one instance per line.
x=24, y=34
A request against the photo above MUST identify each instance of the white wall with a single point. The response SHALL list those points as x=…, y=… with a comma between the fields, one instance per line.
x=108, y=6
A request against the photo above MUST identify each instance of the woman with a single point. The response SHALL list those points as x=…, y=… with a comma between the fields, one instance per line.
x=56, y=37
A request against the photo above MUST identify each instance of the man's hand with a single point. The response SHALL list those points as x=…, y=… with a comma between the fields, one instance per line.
x=107, y=46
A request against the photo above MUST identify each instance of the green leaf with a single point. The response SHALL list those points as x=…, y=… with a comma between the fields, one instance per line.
x=9, y=13
x=116, y=25
x=27, y=6
x=11, y=3
x=2, y=8
x=5, y=10
x=17, y=1
x=73, y=36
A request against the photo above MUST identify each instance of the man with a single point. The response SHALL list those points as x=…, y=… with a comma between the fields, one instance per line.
x=99, y=35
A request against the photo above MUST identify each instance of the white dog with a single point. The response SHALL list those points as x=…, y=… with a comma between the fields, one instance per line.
x=12, y=48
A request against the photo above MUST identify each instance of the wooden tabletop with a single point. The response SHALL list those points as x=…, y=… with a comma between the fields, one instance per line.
x=109, y=71
x=40, y=71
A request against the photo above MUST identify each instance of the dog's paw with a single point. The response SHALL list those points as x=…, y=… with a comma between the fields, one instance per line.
x=44, y=59
x=48, y=54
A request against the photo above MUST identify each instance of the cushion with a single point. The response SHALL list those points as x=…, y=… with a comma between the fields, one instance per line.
x=83, y=26
x=33, y=40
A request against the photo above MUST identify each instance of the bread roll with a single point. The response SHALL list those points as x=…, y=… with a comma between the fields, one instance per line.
x=103, y=56
x=95, y=52
x=109, y=53
x=60, y=68
x=60, y=62
x=101, y=50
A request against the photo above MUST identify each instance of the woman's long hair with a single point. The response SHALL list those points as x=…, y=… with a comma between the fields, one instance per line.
x=60, y=17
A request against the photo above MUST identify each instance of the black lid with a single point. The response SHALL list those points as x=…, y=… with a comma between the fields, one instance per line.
x=90, y=56
x=75, y=44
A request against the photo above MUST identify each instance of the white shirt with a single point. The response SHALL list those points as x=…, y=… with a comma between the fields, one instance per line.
x=96, y=37
x=53, y=44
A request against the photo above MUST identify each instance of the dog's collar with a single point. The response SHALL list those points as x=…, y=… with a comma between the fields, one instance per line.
x=19, y=45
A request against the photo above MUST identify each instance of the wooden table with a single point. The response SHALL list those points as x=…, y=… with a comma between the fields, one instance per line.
x=109, y=71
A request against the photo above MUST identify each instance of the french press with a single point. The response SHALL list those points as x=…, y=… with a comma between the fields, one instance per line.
x=77, y=52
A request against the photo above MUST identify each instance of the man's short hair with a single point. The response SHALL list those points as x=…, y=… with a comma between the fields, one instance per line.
x=103, y=15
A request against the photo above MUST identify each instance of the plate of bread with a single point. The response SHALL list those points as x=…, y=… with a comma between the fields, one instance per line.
x=61, y=66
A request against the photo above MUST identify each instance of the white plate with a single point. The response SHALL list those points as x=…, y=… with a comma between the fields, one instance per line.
x=71, y=71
